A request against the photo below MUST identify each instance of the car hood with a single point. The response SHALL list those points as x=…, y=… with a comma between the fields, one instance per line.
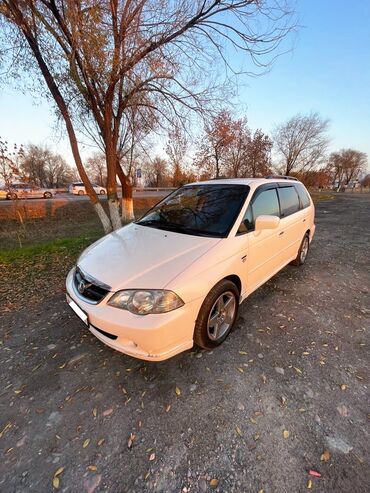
x=142, y=257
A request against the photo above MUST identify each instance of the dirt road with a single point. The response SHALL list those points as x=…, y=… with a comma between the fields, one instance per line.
x=289, y=385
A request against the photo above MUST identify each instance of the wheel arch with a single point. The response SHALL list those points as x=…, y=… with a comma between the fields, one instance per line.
x=236, y=280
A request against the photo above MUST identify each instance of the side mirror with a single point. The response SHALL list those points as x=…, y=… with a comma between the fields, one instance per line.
x=266, y=222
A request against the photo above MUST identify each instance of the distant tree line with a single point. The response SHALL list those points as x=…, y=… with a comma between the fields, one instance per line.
x=226, y=147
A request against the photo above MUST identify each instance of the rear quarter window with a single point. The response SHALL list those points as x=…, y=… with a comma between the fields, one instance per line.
x=289, y=201
x=303, y=195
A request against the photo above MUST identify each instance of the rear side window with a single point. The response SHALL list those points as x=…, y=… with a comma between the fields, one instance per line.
x=303, y=195
x=266, y=203
x=289, y=201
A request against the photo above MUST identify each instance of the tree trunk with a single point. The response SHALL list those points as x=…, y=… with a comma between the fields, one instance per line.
x=127, y=203
x=59, y=100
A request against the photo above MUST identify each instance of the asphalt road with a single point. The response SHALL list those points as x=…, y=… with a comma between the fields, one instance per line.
x=68, y=197
x=286, y=394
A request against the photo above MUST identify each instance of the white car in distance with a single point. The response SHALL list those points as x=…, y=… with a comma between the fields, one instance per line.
x=178, y=275
x=78, y=188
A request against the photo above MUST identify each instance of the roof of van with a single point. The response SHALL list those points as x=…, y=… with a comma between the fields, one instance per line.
x=246, y=181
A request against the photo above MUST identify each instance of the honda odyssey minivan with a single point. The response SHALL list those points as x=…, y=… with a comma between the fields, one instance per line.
x=177, y=276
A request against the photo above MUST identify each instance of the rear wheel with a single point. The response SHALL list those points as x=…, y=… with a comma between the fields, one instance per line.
x=81, y=192
x=303, y=251
x=12, y=196
x=102, y=192
x=47, y=195
x=217, y=315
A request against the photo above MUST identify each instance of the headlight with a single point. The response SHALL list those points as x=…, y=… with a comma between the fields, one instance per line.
x=143, y=302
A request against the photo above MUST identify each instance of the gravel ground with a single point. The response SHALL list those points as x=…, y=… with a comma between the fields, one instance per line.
x=286, y=394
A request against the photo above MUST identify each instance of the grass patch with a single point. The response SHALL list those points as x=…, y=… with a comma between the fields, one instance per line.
x=70, y=246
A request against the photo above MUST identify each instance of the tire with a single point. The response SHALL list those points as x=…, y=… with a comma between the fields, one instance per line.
x=81, y=192
x=207, y=336
x=102, y=192
x=302, y=252
x=47, y=195
x=12, y=196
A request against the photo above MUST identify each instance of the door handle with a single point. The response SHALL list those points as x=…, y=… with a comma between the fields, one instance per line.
x=281, y=233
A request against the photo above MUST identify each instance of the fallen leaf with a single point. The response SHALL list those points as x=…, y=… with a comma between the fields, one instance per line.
x=243, y=353
x=152, y=456
x=253, y=421
x=168, y=408
x=325, y=456
x=95, y=412
x=178, y=391
x=297, y=370
x=214, y=483
x=107, y=412
x=92, y=468
x=239, y=431
x=101, y=441
x=131, y=440
x=56, y=482
x=58, y=471
x=343, y=387
x=309, y=484
x=286, y=434
x=86, y=443
x=316, y=474
x=264, y=379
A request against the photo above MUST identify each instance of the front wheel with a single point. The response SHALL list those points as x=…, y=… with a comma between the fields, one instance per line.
x=81, y=192
x=12, y=196
x=102, y=192
x=217, y=315
x=302, y=252
x=47, y=195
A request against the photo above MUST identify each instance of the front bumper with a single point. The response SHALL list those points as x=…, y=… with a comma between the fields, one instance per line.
x=151, y=337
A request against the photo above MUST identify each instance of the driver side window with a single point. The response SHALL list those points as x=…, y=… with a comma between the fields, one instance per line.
x=266, y=203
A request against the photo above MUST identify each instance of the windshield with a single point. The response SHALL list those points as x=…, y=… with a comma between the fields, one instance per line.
x=201, y=210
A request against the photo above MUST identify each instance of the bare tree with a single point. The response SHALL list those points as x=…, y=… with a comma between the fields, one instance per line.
x=96, y=169
x=214, y=147
x=176, y=150
x=259, y=154
x=9, y=164
x=156, y=173
x=346, y=166
x=45, y=168
x=301, y=143
x=102, y=58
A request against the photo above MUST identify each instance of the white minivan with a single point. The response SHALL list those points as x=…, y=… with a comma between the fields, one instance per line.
x=178, y=275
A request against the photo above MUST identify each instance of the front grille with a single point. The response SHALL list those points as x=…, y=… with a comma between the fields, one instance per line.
x=88, y=287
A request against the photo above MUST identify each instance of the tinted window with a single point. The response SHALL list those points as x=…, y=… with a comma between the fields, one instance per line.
x=265, y=203
x=204, y=210
x=303, y=195
x=289, y=201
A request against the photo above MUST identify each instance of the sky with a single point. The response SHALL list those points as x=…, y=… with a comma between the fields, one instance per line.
x=327, y=70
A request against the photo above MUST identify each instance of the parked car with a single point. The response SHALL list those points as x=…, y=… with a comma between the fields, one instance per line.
x=178, y=275
x=78, y=188
x=28, y=191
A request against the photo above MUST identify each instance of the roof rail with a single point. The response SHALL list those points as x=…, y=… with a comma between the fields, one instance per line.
x=281, y=177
